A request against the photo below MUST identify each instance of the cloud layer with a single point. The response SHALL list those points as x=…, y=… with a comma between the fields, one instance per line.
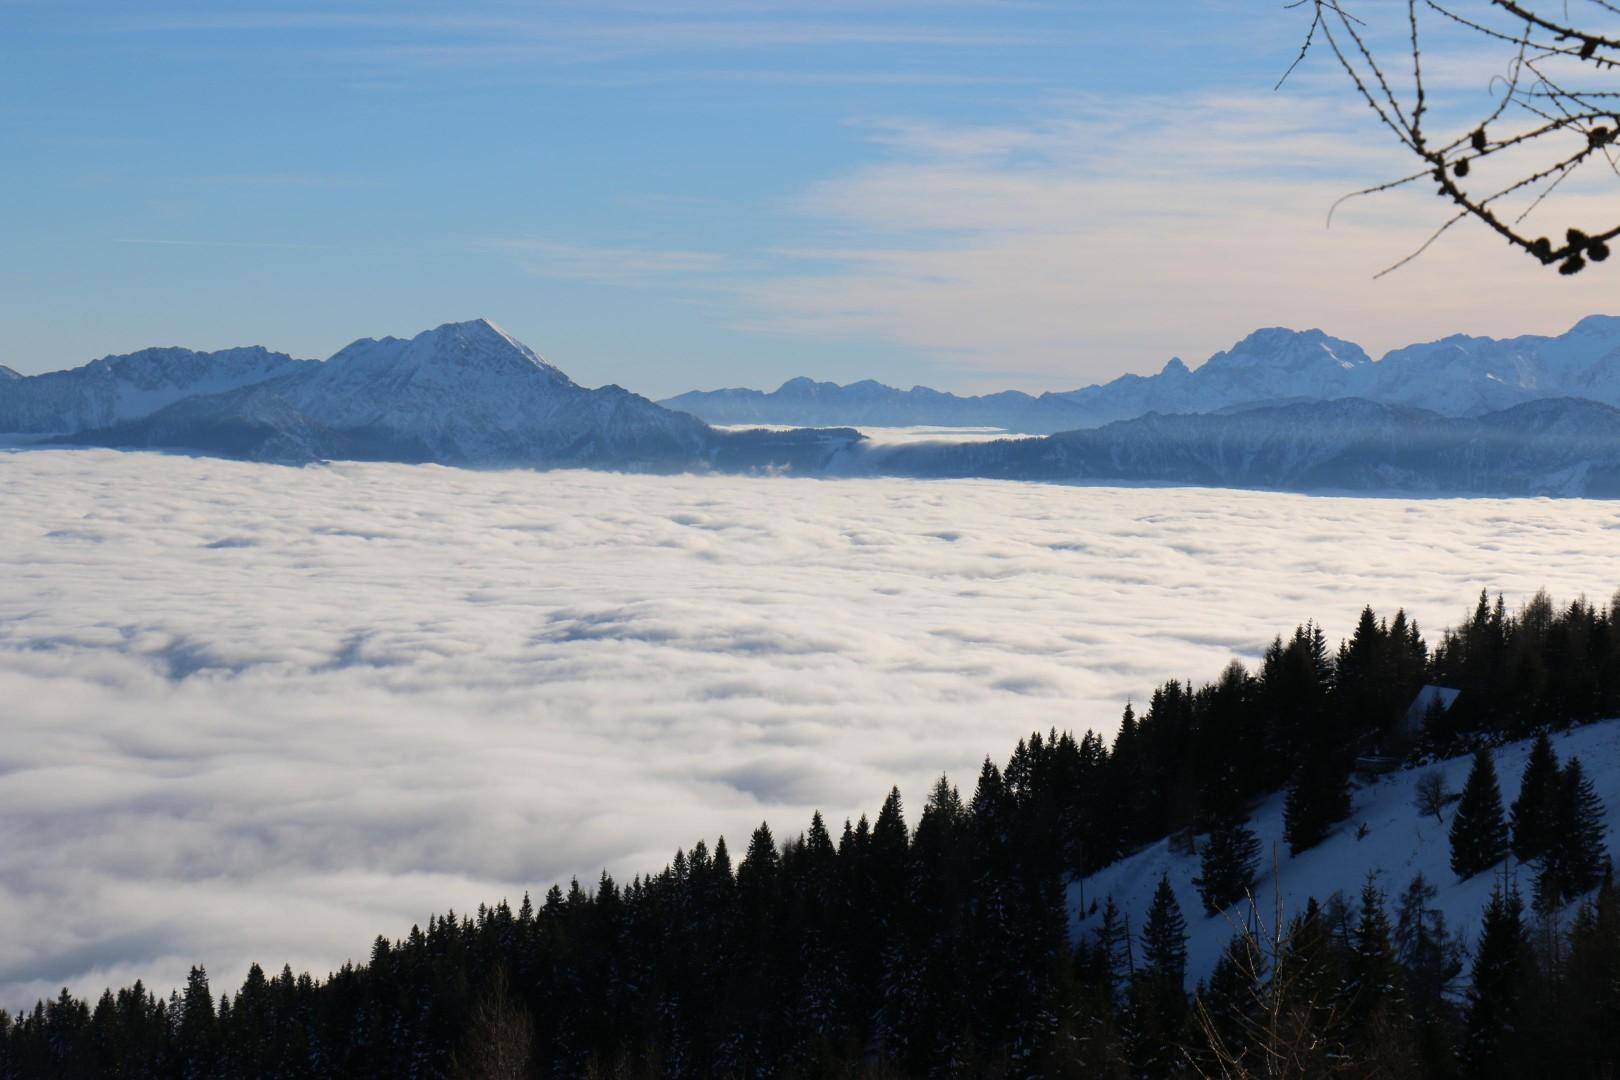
x=256, y=713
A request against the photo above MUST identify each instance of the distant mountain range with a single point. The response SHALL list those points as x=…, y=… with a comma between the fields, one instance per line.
x=1457, y=376
x=468, y=394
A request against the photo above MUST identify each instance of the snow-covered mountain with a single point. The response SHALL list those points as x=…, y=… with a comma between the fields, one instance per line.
x=1559, y=447
x=1457, y=376
x=1269, y=365
x=462, y=394
x=1399, y=843
x=1466, y=376
x=468, y=394
x=115, y=389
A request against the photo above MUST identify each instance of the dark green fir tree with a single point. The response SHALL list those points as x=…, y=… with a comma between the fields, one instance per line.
x=1318, y=796
x=1495, y=1038
x=1227, y=865
x=1575, y=858
x=1479, y=838
x=1371, y=974
x=1535, y=811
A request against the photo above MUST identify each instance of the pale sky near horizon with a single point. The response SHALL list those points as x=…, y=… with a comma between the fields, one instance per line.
x=696, y=193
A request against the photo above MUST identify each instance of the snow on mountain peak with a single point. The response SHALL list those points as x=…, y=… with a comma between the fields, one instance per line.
x=131, y=385
x=474, y=331
x=1278, y=346
x=452, y=353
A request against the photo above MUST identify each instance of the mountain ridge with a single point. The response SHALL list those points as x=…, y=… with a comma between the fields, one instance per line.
x=465, y=394
x=1457, y=376
x=1562, y=447
x=127, y=386
x=469, y=395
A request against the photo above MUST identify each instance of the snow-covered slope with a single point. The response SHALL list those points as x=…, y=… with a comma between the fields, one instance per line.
x=1399, y=843
x=6, y=373
x=116, y=389
x=1466, y=376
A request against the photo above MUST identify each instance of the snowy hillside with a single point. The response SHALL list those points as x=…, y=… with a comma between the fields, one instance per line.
x=1399, y=843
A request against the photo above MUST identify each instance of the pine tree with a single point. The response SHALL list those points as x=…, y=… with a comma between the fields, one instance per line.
x=1494, y=1043
x=197, y=1026
x=1370, y=968
x=1591, y=1001
x=1478, y=833
x=1115, y=952
x=1535, y=811
x=1227, y=865
x=1164, y=938
x=1158, y=993
x=1318, y=797
x=1576, y=858
x=890, y=844
x=1580, y=827
x=1430, y=959
x=756, y=875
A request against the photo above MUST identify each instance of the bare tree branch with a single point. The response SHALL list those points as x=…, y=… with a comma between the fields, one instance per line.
x=1545, y=126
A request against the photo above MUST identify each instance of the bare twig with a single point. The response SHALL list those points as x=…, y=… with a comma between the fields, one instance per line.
x=1535, y=88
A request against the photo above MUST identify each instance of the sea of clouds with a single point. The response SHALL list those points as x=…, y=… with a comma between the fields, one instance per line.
x=262, y=713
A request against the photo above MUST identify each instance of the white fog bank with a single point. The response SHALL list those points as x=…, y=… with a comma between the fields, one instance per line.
x=260, y=713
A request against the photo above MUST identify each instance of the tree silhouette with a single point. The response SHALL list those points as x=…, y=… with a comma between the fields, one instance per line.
x=1553, y=113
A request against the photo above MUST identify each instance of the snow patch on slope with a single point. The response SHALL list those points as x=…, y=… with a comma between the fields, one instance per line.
x=1400, y=843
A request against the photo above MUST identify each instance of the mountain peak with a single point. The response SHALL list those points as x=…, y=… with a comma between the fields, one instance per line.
x=461, y=348
x=7, y=373
x=1607, y=325
x=803, y=384
x=476, y=333
x=472, y=328
x=1278, y=336
x=1281, y=347
x=1175, y=367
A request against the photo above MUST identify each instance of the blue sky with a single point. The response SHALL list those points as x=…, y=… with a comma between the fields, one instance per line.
x=693, y=193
